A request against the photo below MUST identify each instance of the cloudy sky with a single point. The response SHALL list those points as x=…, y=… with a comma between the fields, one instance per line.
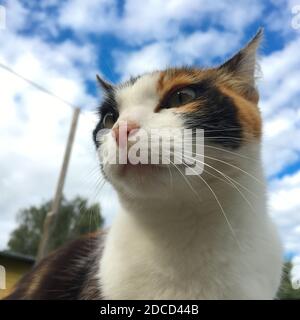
x=62, y=45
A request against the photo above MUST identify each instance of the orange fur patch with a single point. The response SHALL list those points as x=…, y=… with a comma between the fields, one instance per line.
x=172, y=79
x=189, y=107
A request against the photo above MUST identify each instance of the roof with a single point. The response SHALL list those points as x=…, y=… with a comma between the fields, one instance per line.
x=17, y=256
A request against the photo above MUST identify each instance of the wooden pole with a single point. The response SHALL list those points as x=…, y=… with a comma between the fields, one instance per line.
x=51, y=215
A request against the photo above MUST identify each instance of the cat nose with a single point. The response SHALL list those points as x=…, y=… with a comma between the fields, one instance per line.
x=122, y=130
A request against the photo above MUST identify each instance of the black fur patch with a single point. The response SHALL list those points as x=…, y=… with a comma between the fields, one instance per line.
x=108, y=105
x=217, y=115
x=70, y=273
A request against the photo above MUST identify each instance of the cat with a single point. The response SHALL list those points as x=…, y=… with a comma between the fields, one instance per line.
x=177, y=236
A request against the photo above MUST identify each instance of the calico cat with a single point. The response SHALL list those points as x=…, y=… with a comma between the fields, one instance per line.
x=177, y=236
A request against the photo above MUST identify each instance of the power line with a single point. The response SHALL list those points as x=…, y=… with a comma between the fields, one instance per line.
x=35, y=85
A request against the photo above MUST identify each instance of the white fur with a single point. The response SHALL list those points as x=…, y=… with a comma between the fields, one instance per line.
x=169, y=243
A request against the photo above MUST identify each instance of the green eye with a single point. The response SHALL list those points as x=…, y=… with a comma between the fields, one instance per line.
x=181, y=97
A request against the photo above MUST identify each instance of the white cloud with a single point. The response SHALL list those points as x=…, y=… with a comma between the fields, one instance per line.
x=295, y=272
x=280, y=19
x=92, y=16
x=137, y=22
x=285, y=208
x=281, y=140
x=280, y=93
x=281, y=74
x=184, y=50
x=16, y=15
x=281, y=111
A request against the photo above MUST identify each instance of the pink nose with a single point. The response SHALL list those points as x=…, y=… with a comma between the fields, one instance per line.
x=122, y=130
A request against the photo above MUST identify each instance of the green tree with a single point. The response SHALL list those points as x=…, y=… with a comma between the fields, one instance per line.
x=286, y=290
x=75, y=218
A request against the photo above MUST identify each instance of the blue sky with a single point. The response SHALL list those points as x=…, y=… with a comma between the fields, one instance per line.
x=63, y=44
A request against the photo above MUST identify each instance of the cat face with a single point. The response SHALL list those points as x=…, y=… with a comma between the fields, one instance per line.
x=220, y=101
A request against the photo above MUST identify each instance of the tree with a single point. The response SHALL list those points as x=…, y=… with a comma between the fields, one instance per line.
x=75, y=218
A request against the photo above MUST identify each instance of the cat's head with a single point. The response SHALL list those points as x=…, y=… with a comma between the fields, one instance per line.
x=222, y=101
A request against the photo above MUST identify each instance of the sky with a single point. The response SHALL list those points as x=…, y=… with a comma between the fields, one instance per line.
x=61, y=45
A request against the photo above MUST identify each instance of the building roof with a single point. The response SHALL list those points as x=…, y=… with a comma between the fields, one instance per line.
x=17, y=256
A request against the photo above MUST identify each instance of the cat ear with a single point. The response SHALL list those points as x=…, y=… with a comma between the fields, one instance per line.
x=105, y=85
x=243, y=64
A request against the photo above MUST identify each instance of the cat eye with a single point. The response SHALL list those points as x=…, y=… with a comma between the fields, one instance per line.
x=108, y=120
x=181, y=97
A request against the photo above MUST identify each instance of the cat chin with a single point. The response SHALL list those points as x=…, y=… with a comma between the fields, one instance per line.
x=139, y=180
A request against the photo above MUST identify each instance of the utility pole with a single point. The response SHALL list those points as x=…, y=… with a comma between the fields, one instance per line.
x=51, y=215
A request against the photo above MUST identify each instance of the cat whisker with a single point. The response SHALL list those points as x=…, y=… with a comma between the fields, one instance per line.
x=236, y=167
x=231, y=165
x=228, y=179
x=225, y=150
x=186, y=180
x=223, y=174
x=221, y=208
x=221, y=138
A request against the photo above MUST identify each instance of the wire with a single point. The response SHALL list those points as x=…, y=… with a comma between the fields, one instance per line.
x=35, y=85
